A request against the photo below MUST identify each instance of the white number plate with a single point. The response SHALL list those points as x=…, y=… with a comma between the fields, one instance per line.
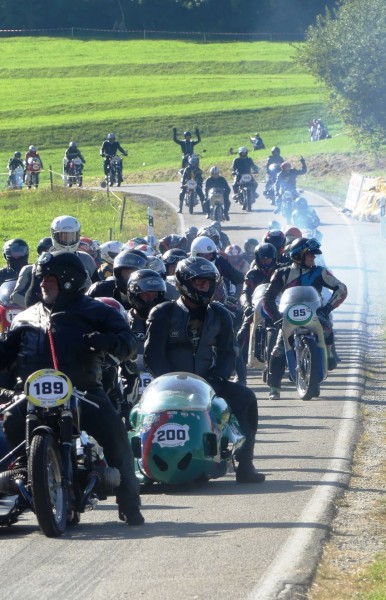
x=171, y=435
x=48, y=388
x=299, y=314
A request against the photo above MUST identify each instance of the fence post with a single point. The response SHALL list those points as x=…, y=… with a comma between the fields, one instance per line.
x=110, y=233
x=122, y=213
x=51, y=178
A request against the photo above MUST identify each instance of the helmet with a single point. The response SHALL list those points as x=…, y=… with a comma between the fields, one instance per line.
x=172, y=241
x=16, y=253
x=301, y=203
x=87, y=245
x=301, y=246
x=65, y=233
x=191, y=231
x=275, y=150
x=291, y=233
x=72, y=145
x=109, y=250
x=243, y=151
x=212, y=233
x=187, y=133
x=142, y=281
x=66, y=266
x=264, y=253
x=194, y=160
x=214, y=171
x=157, y=265
x=216, y=225
x=285, y=166
x=250, y=244
x=203, y=245
x=133, y=242
x=233, y=250
x=114, y=304
x=147, y=249
x=276, y=238
x=17, y=154
x=111, y=137
x=192, y=268
x=127, y=259
x=274, y=225
x=32, y=148
x=274, y=169
x=45, y=245
x=173, y=255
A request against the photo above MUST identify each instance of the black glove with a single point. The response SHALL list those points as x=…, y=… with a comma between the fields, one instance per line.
x=215, y=379
x=249, y=312
x=98, y=342
x=324, y=311
x=197, y=131
x=174, y=130
x=302, y=160
x=125, y=154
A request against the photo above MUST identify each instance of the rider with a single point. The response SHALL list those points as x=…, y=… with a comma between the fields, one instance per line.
x=77, y=330
x=14, y=162
x=304, y=216
x=25, y=276
x=108, y=251
x=301, y=272
x=16, y=254
x=241, y=166
x=109, y=149
x=249, y=249
x=215, y=180
x=173, y=240
x=286, y=180
x=190, y=235
x=32, y=153
x=224, y=239
x=277, y=238
x=195, y=335
x=192, y=171
x=71, y=153
x=272, y=168
x=257, y=142
x=187, y=144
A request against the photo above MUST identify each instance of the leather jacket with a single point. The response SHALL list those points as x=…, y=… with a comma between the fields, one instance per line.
x=168, y=347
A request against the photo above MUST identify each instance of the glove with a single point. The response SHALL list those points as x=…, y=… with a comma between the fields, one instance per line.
x=324, y=311
x=125, y=154
x=215, y=379
x=197, y=131
x=98, y=342
x=174, y=129
x=302, y=160
x=248, y=312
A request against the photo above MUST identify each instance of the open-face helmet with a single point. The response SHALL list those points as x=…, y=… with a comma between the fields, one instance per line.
x=140, y=282
x=67, y=268
x=243, y=151
x=65, y=233
x=204, y=246
x=125, y=263
x=302, y=246
x=192, y=268
x=265, y=257
x=109, y=250
x=275, y=237
x=16, y=253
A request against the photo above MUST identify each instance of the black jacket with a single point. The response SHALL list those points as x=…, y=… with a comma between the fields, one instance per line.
x=228, y=271
x=27, y=347
x=168, y=347
x=108, y=289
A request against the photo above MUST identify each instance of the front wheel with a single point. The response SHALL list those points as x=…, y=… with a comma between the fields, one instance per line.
x=307, y=369
x=218, y=213
x=48, y=494
x=192, y=202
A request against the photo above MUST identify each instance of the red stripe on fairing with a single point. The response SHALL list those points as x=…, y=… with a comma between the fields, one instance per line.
x=147, y=441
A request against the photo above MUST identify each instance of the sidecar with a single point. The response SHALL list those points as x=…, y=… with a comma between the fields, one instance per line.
x=182, y=432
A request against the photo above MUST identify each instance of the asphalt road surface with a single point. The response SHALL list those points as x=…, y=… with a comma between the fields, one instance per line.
x=223, y=540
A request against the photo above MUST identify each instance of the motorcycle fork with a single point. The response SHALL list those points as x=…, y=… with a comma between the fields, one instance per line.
x=66, y=424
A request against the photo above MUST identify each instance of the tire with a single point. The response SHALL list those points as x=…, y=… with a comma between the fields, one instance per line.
x=80, y=181
x=191, y=203
x=307, y=372
x=270, y=341
x=218, y=213
x=245, y=199
x=249, y=199
x=48, y=494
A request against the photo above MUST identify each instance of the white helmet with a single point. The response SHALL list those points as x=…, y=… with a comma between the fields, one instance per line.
x=65, y=233
x=203, y=245
x=109, y=250
x=243, y=151
x=214, y=171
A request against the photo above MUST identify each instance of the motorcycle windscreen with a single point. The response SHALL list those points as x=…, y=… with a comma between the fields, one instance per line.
x=302, y=294
x=176, y=391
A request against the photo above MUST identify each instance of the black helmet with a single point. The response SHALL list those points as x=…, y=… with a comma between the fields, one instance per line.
x=172, y=241
x=17, y=154
x=192, y=268
x=275, y=150
x=173, y=256
x=66, y=266
x=111, y=137
x=263, y=253
x=250, y=243
x=187, y=133
x=301, y=246
x=145, y=280
x=16, y=253
x=127, y=259
x=44, y=245
x=275, y=237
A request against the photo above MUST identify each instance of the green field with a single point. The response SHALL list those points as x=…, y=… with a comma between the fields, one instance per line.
x=57, y=90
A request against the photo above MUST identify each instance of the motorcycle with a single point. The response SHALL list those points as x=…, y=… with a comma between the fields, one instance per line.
x=58, y=472
x=303, y=338
x=246, y=196
x=287, y=202
x=216, y=202
x=190, y=196
x=8, y=310
x=33, y=168
x=263, y=334
x=182, y=432
x=74, y=175
x=271, y=175
x=114, y=172
x=16, y=178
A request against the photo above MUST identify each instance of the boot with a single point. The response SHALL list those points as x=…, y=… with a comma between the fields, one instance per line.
x=246, y=472
x=128, y=509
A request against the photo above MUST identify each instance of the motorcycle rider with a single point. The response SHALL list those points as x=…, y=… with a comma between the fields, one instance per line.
x=187, y=145
x=190, y=235
x=304, y=216
x=215, y=180
x=286, y=180
x=16, y=253
x=14, y=162
x=108, y=251
x=173, y=240
x=224, y=239
x=195, y=335
x=71, y=153
x=249, y=249
x=25, y=275
x=242, y=165
x=65, y=319
x=302, y=271
x=257, y=142
x=109, y=149
x=32, y=152
x=192, y=171
x=277, y=238
x=272, y=169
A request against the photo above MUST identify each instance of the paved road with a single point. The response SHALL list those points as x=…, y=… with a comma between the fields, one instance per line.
x=223, y=540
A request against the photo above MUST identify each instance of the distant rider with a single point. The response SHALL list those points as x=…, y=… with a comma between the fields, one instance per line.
x=243, y=165
x=187, y=144
x=71, y=153
x=109, y=149
x=14, y=162
x=215, y=180
x=192, y=171
x=286, y=180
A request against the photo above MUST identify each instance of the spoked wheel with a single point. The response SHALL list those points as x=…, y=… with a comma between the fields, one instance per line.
x=249, y=200
x=48, y=494
x=307, y=370
x=270, y=341
x=191, y=203
x=218, y=213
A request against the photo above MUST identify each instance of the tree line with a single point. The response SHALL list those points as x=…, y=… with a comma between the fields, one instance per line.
x=233, y=16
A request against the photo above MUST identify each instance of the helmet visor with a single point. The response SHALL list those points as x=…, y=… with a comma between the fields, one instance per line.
x=17, y=251
x=67, y=238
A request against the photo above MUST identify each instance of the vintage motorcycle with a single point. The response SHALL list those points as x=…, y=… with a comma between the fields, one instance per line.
x=270, y=180
x=246, y=196
x=216, y=203
x=32, y=172
x=190, y=196
x=16, y=178
x=114, y=172
x=263, y=334
x=182, y=432
x=8, y=310
x=303, y=338
x=74, y=175
x=58, y=472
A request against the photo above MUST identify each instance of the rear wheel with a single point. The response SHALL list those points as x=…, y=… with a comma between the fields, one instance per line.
x=218, y=213
x=307, y=369
x=48, y=494
x=192, y=199
x=270, y=341
x=249, y=199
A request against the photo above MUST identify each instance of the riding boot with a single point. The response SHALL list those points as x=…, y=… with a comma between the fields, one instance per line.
x=246, y=472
